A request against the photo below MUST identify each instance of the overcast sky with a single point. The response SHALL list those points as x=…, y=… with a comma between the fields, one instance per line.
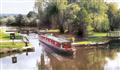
x=24, y=6
x=16, y=6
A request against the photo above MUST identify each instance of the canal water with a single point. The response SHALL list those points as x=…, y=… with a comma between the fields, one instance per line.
x=85, y=58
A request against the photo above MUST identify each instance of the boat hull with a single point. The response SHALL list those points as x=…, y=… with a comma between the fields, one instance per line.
x=56, y=50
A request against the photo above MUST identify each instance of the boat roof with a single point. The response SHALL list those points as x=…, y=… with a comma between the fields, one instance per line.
x=61, y=40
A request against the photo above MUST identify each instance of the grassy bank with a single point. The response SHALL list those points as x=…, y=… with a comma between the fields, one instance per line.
x=6, y=36
x=10, y=45
x=98, y=34
x=94, y=38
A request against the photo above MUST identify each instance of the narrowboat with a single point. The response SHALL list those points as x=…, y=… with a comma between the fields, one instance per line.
x=58, y=45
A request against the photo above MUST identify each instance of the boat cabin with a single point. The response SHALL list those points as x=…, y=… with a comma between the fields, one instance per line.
x=54, y=41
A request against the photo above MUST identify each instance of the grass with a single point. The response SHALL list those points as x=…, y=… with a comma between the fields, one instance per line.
x=83, y=42
x=99, y=34
x=95, y=37
x=53, y=30
x=10, y=45
x=91, y=40
x=6, y=36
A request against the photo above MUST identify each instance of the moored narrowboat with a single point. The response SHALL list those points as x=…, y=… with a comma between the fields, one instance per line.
x=58, y=45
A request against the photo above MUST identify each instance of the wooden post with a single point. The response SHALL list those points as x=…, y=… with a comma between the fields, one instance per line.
x=14, y=59
x=26, y=52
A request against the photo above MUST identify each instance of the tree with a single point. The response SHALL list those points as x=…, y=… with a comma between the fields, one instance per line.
x=71, y=17
x=117, y=21
x=31, y=14
x=61, y=5
x=3, y=20
x=85, y=16
x=31, y=18
x=84, y=21
x=10, y=20
x=101, y=23
x=112, y=10
x=52, y=15
x=40, y=6
x=18, y=20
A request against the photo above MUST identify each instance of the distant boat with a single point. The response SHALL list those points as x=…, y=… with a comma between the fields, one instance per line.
x=58, y=45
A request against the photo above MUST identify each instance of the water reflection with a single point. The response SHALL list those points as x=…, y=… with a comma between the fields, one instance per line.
x=84, y=59
x=113, y=64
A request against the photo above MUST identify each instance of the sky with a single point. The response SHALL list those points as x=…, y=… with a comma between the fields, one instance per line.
x=16, y=6
x=24, y=6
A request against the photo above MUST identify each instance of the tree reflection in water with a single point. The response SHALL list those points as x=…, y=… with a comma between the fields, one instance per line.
x=84, y=59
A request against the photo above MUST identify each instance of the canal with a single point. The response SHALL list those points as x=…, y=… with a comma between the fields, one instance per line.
x=85, y=58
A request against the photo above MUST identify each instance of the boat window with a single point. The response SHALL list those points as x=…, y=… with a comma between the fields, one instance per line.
x=67, y=45
x=49, y=40
x=57, y=44
x=52, y=42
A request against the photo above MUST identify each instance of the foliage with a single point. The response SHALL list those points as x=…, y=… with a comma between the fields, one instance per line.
x=65, y=15
x=112, y=15
x=7, y=20
x=31, y=14
x=117, y=21
x=71, y=17
x=101, y=23
x=20, y=20
x=32, y=18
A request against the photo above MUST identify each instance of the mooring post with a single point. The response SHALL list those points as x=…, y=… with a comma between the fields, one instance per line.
x=14, y=59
